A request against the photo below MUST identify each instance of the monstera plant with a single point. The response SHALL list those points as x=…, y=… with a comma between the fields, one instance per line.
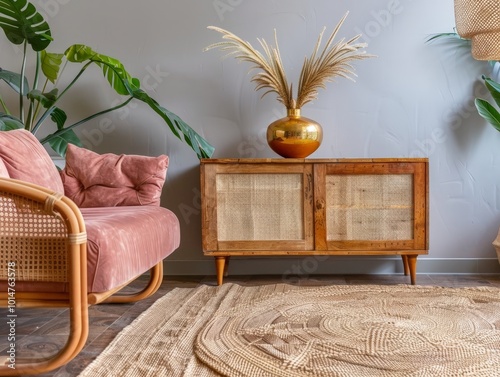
x=39, y=100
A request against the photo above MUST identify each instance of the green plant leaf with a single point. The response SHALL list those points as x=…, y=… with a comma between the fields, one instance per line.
x=13, y=80
x=488, y=112
x=452, y=35
x=80, y=53
x=202, y=148
x=128, y=85
x=46, y=99
x=51, y=63
x=9, y=122
x=59, y=141
x=494, y=89
x=21, y=22
x=59, y=117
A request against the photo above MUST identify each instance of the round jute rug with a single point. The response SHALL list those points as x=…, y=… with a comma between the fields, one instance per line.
x=358, y=331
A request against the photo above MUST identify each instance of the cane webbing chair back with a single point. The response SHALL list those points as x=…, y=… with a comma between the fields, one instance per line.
x=33, y=239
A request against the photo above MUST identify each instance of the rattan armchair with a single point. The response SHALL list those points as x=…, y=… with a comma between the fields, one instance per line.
x=44, y=262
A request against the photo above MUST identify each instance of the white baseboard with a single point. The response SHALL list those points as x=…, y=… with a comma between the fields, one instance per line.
x=317, y=265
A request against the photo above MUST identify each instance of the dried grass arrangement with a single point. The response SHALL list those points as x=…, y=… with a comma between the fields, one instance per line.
x=321, y=67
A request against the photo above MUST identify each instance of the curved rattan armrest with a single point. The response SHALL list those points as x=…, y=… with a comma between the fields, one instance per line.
x=32, y=190
x=58, y=202
x=26, y=212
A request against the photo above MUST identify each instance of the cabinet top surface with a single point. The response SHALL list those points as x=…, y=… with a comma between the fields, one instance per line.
x=304, y=160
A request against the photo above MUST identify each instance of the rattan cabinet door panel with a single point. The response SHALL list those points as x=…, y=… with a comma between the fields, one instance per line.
x=256, y=208
x=371, y=206
x=259, y=207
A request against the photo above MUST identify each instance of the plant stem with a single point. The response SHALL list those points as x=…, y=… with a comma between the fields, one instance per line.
x=37, y=108
x=4, y=106
x=21, y=94
x=61, y=73
x=37, y=70
x=30, y=118
x=66, y=129
x=50, y=109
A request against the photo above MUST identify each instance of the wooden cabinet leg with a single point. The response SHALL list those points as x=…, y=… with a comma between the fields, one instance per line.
x=412, y=265
x=405, y=264
x=226, y=266
x=220, y=266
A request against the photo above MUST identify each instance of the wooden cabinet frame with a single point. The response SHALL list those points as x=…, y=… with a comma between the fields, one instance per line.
x=310, y=178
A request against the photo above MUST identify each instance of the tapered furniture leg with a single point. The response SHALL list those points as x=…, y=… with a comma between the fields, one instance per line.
x=220, y=263
x=412, y=265
x=226, y=266
x=405, y=264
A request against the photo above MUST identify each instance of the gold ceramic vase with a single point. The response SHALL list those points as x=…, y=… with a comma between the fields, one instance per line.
x=294, y=136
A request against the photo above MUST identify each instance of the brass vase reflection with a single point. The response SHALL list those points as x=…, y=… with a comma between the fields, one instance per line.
x=294, y=136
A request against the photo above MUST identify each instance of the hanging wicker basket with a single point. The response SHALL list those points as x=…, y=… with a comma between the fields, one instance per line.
x=479, y=21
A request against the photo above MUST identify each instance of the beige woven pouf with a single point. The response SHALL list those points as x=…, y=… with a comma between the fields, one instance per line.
x=479, y=21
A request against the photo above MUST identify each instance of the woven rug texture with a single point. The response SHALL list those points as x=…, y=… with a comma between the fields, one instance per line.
x=286, y=330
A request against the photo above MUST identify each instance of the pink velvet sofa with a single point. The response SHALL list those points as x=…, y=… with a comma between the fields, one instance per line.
x=76, y=237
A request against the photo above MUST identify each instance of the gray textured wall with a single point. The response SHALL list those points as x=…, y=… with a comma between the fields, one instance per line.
x=414, y=99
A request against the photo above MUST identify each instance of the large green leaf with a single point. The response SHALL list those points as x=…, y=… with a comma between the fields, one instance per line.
x=21, y=22
x=50, y=65
x=202, y=148
x=59, y=141
x=124, y=84
x=13, y=80
x=9, y=122
x=46, y=99
x=494, y=89
x=59, y=117
x=112, y=68
x=488, y=112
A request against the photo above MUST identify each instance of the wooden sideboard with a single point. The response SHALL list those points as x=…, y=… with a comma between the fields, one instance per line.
x=272, y=207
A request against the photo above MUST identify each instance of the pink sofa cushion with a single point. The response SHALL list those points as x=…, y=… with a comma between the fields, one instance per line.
x=26, y=159
x=108, y=180
x=4, y=173
x=123, y=242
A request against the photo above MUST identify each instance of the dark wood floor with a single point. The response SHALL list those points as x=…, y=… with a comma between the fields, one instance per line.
x=41, y=331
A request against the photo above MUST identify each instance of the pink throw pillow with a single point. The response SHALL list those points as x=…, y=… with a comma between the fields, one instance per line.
x=109, y=180
x=4, y=173
x=26, y=159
